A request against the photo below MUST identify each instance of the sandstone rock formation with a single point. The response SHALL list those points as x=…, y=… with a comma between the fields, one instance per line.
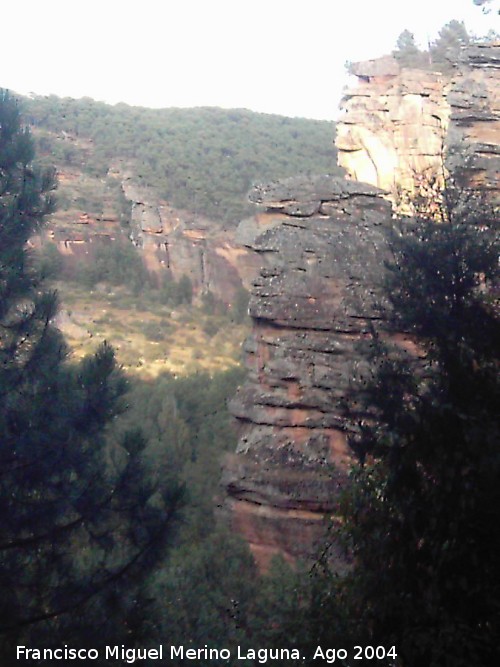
x=321, y=245
x=399, y=124
x=474, y=132
x=171, y=242
x=185, y=245
x=393, y=126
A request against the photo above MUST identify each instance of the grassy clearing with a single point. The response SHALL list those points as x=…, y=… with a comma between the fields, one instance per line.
x=149, y=338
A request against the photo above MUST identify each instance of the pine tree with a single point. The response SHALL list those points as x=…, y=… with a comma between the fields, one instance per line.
x=425, y=510
x=445, y=50
x=407, y=52
x=78, y=521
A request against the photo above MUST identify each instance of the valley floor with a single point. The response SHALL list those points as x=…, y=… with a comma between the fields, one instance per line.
x=149, y=338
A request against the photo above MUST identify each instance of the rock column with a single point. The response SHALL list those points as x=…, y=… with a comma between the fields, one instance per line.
x=322, y=246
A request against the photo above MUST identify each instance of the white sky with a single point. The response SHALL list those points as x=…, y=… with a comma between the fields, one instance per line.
x=275, y=56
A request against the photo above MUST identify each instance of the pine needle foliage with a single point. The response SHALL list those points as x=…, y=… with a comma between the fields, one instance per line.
x=79, y=523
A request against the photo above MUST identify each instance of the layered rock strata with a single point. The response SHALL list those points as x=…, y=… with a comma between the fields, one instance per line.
x=401, y=127
x=393, y=126
x=321, y=244
x=473, y=141
x=171, y=243
x=183, y=244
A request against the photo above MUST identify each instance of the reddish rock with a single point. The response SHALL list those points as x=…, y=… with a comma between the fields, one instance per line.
x=321, y=245
x=399, y=126
x=314, y=299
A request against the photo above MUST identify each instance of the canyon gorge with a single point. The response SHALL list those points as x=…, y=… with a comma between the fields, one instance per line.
x=312, y=256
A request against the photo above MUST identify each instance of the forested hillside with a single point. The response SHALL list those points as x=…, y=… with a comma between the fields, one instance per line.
x=202, y=163
x=203, y=160
x=107, y=515
x=117, y=446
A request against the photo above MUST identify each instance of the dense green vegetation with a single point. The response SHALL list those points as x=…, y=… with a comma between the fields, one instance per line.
x=431, y=584
x=188, y=428
x=71, y=505
x=108, y=485
x=204, y=160
x=108, y=534
x=421, y=516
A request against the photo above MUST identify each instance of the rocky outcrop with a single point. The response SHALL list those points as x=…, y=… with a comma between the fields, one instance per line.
x=393, y=126
x=474, y=134
x=184, y=244
x=400, y=127
x=321, y=244
x=172, y=243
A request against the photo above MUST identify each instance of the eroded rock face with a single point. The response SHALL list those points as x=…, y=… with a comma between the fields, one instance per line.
x=400, y=126
x=393, y=125
x=315, y=297
x=321, y=244
x=187, y=245
x=172, y=243
x=474, y=132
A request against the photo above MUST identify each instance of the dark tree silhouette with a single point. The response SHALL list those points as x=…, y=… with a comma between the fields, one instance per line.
x=79, y=521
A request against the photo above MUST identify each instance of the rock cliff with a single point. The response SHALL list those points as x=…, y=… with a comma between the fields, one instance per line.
x=321, y=244
x=184, y=244
x=393, y=126
x=171, y=242
x=473, y=140
x=399, y=124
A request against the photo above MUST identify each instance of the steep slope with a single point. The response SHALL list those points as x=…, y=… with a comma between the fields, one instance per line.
x=172, y=181
x=201, y=160
x=393, y=127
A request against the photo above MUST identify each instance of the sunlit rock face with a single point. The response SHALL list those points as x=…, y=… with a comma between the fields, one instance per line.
x=393, y=127
x=322, y=246
x=403, y=127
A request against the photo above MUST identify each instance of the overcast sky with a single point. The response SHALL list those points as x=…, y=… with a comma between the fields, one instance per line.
x=275, y=56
